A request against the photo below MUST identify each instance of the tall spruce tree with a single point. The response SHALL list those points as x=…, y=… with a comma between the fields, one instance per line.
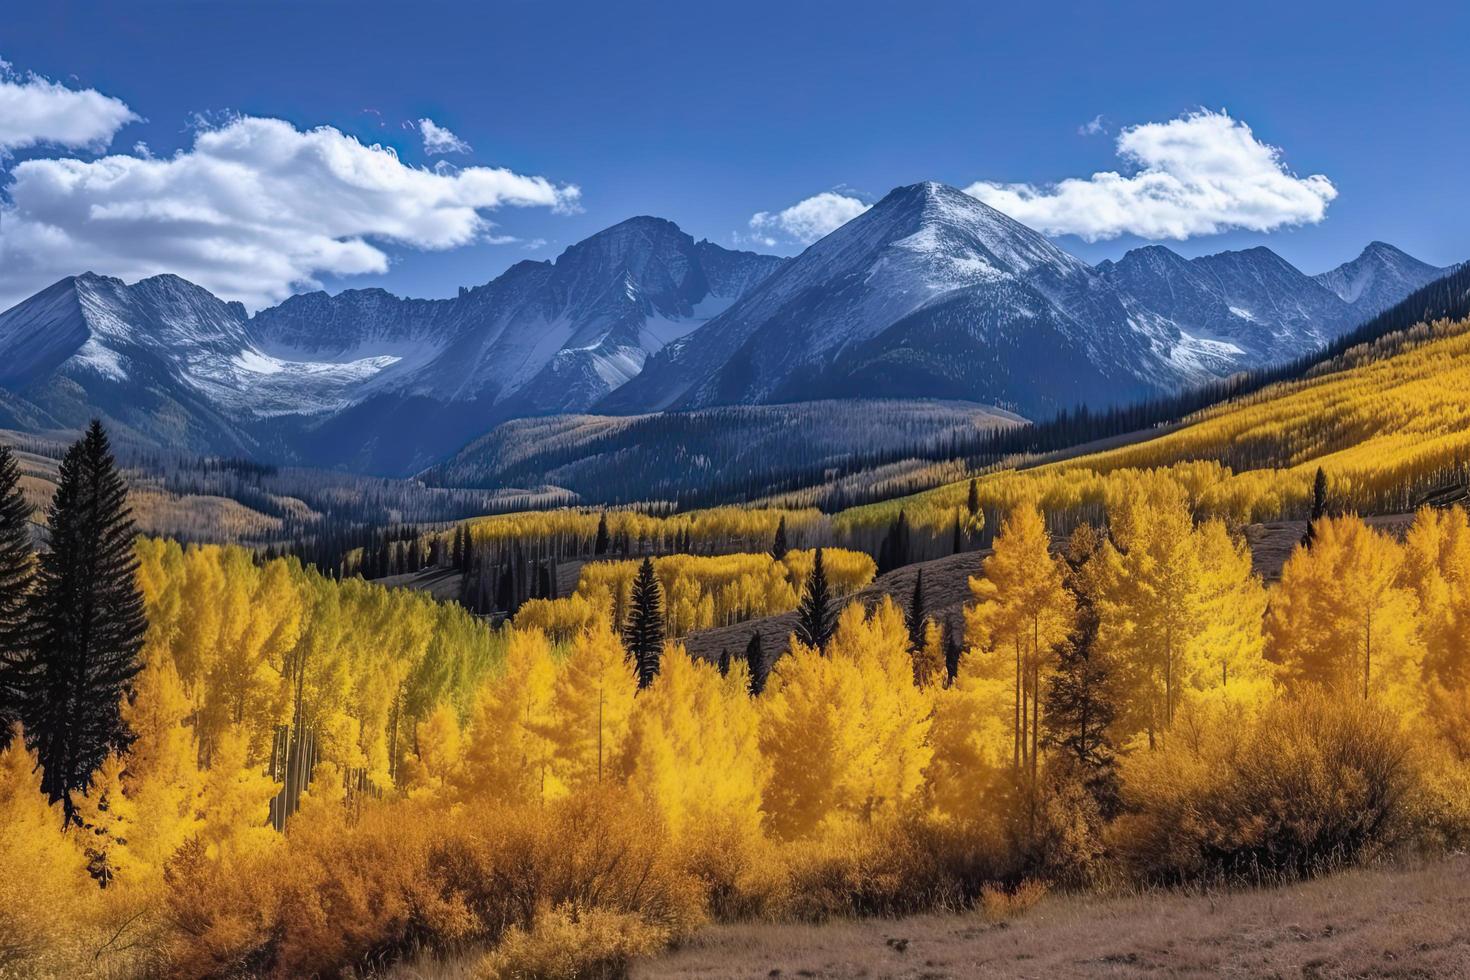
x=599, y=546
x=1319, y=507
x=88, y=624
x=779, y=547
x=643, y=636
x=755, y=659
x=816, y=617
x=17, y=569
x=915, y=615
x=972, y=502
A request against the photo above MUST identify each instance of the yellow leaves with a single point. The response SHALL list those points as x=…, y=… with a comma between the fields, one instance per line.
x=691, y=750
x=590, y=708
x=42, y=875
x=438, y=753
x=1341, y=619
x=702, y=591
x=846, y=733
x=508, y=755
x=235, y=801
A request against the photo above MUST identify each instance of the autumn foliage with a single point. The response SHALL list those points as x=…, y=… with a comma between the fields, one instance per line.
x=1124, y=704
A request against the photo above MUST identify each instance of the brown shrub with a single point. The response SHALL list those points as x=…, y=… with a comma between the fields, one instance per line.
x=1319, y=781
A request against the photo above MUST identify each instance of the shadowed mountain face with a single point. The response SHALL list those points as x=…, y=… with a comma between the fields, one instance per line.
x=934, y=293
x=928, y=294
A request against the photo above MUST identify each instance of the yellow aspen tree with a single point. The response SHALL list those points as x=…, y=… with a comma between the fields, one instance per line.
x=1228, y=655
x=235, y=801
x=1022, y=608
x=1340, y=617
x=42, y=873
x=691, y=751
x=508, y=755
x=162, y=778
x=895, y=716
x=1151, y=598
x=846, y=732
x=810, y=734
x=591, y=704
x=107, y=818
x=1437, y=569
x=438, y=753
x=973, y=742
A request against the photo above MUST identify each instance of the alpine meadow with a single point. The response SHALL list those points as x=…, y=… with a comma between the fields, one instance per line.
x=1058, y=569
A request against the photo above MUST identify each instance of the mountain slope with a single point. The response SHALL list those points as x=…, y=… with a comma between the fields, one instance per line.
x=947, y=292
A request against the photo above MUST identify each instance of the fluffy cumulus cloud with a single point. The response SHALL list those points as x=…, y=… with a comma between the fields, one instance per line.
x=37, y=112
x=805, y=221
x=1200, y=174
x=254, y=210
x=438, y=139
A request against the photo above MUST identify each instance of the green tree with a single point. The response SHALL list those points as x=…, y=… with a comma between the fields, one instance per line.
x=816, y=617
x=599, y=546
x=644, y=634
x=1319, y=507
x=17, y=568
x=88, y=624
x=915, y=615
x=779, y=547
x=755, y=659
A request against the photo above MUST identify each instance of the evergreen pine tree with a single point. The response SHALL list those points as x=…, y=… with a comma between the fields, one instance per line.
x=17, y=568
x=1079, y=712
x=779, y=547
x=599, y=547
x=894, y=552
x=972, y=503
x=816, y=617
x=644, y=635
x=88, y=622
x=755, y=659
x=1319, y=507
x=958, y=543
x=724, y=662
x=915, y=615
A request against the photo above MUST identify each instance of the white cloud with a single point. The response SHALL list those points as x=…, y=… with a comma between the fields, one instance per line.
x=1092, y=127
x=35, y=111
x=806, y=221
x=253, y=210
x=437, y=139
x=1200, y=174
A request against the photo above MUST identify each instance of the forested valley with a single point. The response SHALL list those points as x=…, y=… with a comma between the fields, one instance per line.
x=502, y=735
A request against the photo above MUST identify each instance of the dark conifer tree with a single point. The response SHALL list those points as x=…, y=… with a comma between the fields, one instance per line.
x=88, y=624
x=457, y=556
x=915, y=615
x=643, y=636
x=1079, y=710
x=1319, y=507
x=972, y=503
x=599, y=547
x=816, y=617
x=958, y=543
x=17, y=569
x=894, y=552
x=724, y=662
x=755, y=659
x=779, y=547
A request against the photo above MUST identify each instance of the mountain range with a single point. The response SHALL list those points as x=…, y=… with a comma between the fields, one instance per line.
x=929, y=293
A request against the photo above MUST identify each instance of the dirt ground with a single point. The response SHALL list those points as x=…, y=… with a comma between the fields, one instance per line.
x=1399, y=922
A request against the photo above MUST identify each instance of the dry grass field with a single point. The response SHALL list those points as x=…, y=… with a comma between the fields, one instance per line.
x=1397, y=922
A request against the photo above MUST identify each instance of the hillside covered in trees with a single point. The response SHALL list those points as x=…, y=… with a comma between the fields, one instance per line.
x=220, y=762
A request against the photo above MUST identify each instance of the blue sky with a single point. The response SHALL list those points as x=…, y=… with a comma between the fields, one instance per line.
x=708, y=114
